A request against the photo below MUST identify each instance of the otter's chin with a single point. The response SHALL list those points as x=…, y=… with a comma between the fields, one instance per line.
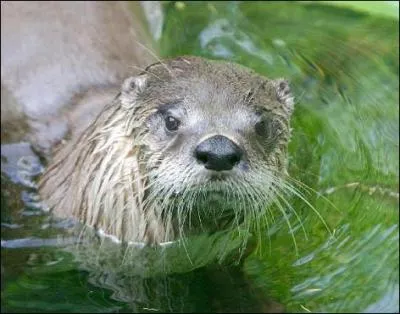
x=215, y=185
x=216, y=197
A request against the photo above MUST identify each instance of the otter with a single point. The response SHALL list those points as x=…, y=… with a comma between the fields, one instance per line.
x=186, y=145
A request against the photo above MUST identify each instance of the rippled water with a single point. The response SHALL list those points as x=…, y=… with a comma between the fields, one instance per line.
x=344, y=70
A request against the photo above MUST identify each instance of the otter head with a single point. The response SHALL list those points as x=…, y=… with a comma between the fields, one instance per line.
x=216, y=136
x=196, y=145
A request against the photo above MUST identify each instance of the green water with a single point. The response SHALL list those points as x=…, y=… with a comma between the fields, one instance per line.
x=344, y=71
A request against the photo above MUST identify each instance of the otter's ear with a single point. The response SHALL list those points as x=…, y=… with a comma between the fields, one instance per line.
x=284, y=94
x=134, y=84
x=131, y=88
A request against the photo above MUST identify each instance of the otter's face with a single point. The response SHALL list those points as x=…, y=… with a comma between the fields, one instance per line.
x=216, y=133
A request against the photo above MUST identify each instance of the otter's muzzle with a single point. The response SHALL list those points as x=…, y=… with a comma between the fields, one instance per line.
x=218, y=153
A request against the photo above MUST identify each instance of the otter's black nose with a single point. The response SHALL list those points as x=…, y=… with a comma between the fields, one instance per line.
x=218, y=153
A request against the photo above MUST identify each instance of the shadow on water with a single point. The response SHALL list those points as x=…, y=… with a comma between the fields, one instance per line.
x=343, y=67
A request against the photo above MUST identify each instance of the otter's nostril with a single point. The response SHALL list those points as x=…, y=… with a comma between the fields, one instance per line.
x=218, y=153
x=202, y=156
x=234, y=159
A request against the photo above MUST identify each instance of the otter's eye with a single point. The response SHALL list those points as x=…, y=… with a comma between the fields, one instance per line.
x=268, y=128
x=171, y=123
x=262, y=128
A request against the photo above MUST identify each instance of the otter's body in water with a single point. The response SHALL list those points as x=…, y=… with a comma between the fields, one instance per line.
x=187, y=145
